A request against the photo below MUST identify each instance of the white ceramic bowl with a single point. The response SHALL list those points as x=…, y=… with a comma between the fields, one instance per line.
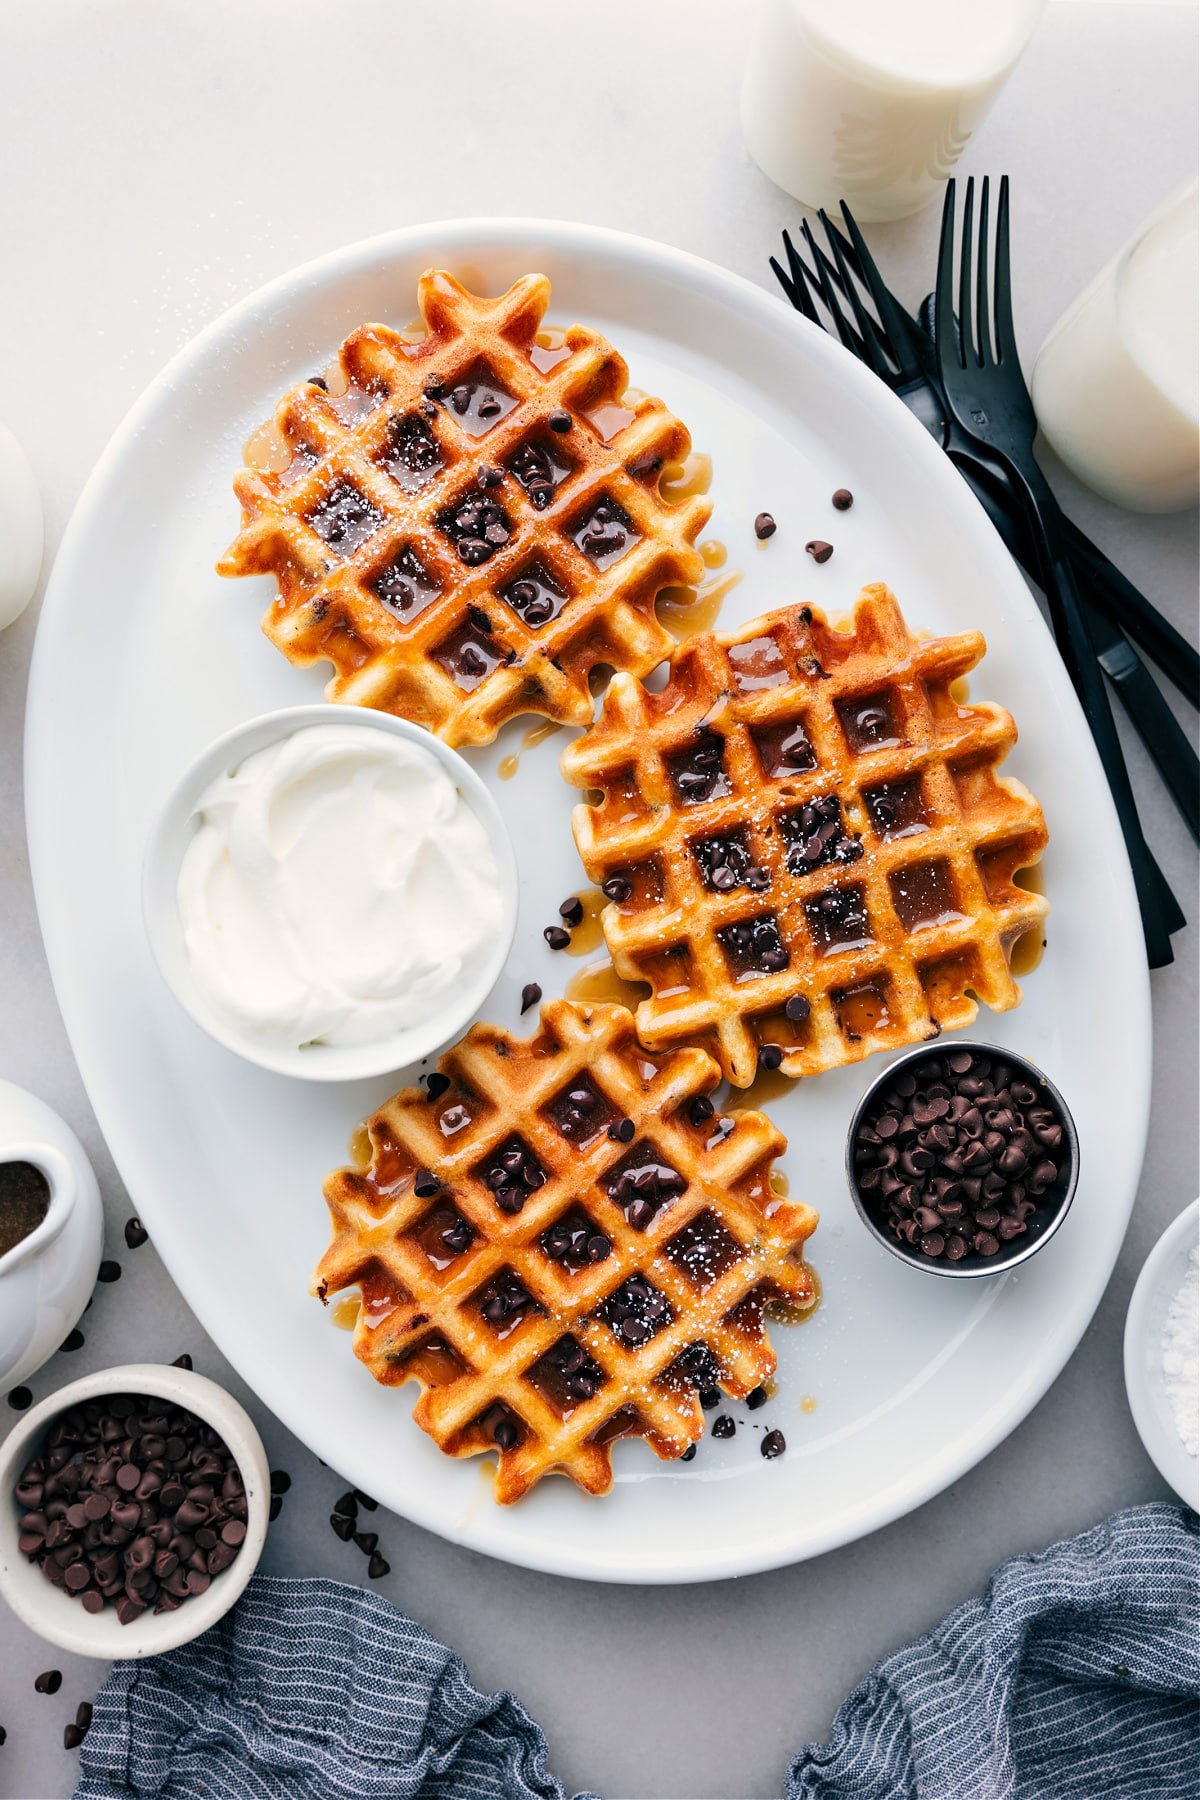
x=1162, y=1276
x=173, y=832
x=57, y=1616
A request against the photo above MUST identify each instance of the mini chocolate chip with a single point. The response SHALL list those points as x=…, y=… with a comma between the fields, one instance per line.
x=556, y=937
x=559, y=420
x=74, y=1340
x=425, y=1184
x=19, y=1398
x=764, y=526
x=436, y=1084
x=531, y=993
x=281, y=1481
x=819, y=550
x=182, y=1362
x=774, y=1444
x=570, y=910
x=344, y=1527
x=48, y=1682
x=109, y=1271
x=367, y=1541
x=843, y=499
x=377, y=1568
x=275, y=1508
x=797, y=1009
x=770, y=1056
x=755, y=1398
x=723, y=1426
x=617, y=888
x=135, y=1234
x=365, y=1500
x=346, y=1504
x=688, y=1454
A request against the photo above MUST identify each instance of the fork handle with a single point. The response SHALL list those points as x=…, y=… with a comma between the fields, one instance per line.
x=1128, y=608
x=1139, y=693
x=1156, y=725
x=1159, y=909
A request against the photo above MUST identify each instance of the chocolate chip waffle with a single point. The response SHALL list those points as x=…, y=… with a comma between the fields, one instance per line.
x=561, y=1241
x=807, y=849
x=465, y=524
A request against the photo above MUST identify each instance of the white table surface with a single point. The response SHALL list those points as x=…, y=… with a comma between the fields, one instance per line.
x=159, y=161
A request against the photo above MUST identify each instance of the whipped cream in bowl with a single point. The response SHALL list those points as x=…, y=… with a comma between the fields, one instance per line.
x=330, y=892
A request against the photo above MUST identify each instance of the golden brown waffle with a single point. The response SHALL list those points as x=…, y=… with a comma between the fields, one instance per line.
x=473, y=521
x=561, y=1241
x=808, y=850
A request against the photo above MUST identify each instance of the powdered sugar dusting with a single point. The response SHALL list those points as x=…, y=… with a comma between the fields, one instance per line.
x=1181, y=1356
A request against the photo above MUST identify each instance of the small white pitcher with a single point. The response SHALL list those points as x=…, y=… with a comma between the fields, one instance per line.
x=47, y=1279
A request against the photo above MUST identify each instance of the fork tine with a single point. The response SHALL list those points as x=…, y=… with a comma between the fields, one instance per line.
x=873, y=342
x=1002, y=319
x=785, y=281
x=785, y=278
x=796, y=262
x=895, y=325
x=965, y=273
x=981, y=278
x=868, y=331
x=798, y=282
x=948, y=345
x=828, y=292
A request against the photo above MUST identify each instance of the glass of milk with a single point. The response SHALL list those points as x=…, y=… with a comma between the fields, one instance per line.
x=874, y=101
x=1115, y=385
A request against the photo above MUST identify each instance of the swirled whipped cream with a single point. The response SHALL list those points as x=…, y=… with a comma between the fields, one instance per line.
x=337, y=889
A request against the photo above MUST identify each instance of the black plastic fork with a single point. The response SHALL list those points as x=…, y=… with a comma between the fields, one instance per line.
x=900, y=350
x=981, y=378
x=902, y=353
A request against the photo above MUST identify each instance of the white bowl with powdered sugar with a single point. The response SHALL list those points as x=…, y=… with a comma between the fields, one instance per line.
x=1161, y=1331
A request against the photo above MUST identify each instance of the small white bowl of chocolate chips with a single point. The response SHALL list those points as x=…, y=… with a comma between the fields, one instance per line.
x=133, y=1510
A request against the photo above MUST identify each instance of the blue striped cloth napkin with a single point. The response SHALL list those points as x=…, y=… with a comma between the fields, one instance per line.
x=1074, y=1677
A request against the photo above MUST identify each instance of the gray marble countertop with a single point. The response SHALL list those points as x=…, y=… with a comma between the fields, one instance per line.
x=152, y=178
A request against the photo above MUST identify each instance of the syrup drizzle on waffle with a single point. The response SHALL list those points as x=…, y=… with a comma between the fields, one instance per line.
x=818, y=850
x=562, y=1243
x=474, y=521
